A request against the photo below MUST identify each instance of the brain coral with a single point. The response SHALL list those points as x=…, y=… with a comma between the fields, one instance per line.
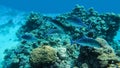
x=42, y=55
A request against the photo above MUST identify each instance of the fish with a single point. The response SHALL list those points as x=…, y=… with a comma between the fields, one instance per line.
x=86, y=41
x=76, y=21
x=58, y=24
x=54, y=31
x=28, y=37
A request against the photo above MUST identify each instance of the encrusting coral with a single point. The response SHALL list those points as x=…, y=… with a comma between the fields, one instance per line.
x=42, y=55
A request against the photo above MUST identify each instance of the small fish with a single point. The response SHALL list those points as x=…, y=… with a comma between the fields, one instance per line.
x=85, y=41
x=28, y=37
x=53, y=31
x=76, y=21
x=58, y=24
x=61, y=26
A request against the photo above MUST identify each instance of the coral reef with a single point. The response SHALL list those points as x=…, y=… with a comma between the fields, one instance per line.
x=104, y=24
x=34, y=20
x=58, y=33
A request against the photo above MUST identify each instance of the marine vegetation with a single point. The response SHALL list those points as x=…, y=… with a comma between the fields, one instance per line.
x=78, y=39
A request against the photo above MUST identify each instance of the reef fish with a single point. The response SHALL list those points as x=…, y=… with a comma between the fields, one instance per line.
x=86, y=41
x=28, y=37
x=76, y=21
x=54, y=31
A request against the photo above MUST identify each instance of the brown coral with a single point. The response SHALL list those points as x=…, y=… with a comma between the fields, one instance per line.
x=103, y=57
x=42, y=55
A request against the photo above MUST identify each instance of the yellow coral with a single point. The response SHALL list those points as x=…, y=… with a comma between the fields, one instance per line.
x=102, y=42
x=43, y=54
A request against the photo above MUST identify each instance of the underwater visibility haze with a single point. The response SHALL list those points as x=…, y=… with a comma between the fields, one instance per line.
x=59, y=34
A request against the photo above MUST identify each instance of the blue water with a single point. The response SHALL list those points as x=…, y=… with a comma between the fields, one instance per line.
x=60, y=6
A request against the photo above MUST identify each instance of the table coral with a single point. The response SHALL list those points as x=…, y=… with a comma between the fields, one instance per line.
x=42, y=55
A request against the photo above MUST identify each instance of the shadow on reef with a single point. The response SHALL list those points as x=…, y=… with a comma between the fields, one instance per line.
x=78, y=39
